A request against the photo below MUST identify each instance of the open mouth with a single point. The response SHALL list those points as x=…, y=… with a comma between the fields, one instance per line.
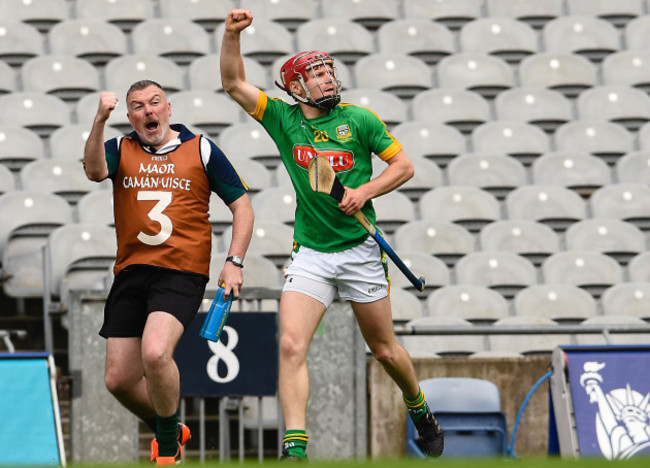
x=152, y=126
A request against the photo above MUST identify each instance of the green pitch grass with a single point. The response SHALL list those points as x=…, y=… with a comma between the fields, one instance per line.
x=413, y=463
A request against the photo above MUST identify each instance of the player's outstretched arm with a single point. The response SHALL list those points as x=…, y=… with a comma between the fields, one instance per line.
x=233, y=74
x=94, y=154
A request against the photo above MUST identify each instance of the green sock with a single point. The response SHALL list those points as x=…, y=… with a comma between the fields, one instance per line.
x=417, y=406
x=167, y=435
x=295, y=443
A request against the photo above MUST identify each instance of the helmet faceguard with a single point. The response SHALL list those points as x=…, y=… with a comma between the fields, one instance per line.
x=312, y=64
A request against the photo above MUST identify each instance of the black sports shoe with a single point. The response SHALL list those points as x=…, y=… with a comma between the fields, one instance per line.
x=432, y=438
x=285, y=457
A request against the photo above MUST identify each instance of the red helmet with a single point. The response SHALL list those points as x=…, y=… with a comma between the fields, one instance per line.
x=295, y=68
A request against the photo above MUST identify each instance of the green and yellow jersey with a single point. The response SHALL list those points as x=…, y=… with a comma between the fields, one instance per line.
x=347, y=135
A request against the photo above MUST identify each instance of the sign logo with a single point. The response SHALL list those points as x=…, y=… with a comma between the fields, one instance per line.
x=339, y=160
x=623, y=416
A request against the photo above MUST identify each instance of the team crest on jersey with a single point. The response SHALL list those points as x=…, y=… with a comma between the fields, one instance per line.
x=343, y=132
x=339, y=160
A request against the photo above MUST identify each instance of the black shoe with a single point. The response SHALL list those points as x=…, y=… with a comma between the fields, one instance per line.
x=432, y=438
x=291, y=458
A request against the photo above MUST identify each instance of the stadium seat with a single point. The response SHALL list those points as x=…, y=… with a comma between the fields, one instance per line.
x=64, y=76
x=580, y=172
x=628, y=68
x=434, y=270
x=643, y=136
x=254, y=173
x=562, y=303
x=486, y=74
x=18, y=146
x=206, y=13
x=121, y=72
x=529, y=239
x=67, y=143
x=629, y=202
x=220, y=218
x=634, y=168
x=41, y=113
x=271, y=239
x=64, y=178
x=427, y=176
x=589, y=36
x=19, y=42
x=469, y=411
x=403, y=75
x=621, y=104
x=249, y=140
x=90, y=39
x=555, y=206
x=593, y=271
x=506, y=38
x=180, y=40
x=520, y=140
x=607, y=140
x=96, y=207
x=543, y=107
x=636, y=33
x=639, y=267
x=468, y=206
x=618, y=239
x=528, y=343
x=436, y=142
x=326, y=34
x=264, y=41
x=532, y=12
x=609, y=337
x=452, y=13
x=493, y=172
x=289, y=13
x=125, y=14
x=32, y=216
x=369, y=13
x=444, y=344
x=204, y=73
x=404, y=305
x=204, y=109
x=393, y=209
x=471, y=302
x=505, y=272
x=618, y=13
x=460, y=108
x=7, y=79
x=443, y=239
x=631, y=299
x=417, y=37
x=41, y=14
x=7, y=180
x=275, y=204
x=389, y=107
x=564, y=72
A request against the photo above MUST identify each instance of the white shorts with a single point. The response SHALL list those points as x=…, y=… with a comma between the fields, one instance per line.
x=359, y=274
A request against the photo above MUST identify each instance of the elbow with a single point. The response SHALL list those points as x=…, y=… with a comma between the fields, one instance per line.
x=409, y=171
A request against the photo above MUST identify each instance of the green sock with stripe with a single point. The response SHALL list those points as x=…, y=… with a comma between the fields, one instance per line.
x=295, y=443
x=417, y=406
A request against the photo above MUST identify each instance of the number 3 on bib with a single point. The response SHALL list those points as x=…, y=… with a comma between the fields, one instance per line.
x=156, y=214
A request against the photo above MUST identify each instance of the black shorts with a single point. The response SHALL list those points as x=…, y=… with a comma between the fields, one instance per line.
x=139, y=290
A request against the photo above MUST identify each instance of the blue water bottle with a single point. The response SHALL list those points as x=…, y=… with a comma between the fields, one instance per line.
x=217, y=316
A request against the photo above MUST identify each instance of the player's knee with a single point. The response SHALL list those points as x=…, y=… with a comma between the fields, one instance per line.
x=154, y=358
x=291, y=349
x=115, y=382
x=384, y=354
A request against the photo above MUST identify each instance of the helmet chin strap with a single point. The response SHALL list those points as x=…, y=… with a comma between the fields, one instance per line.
x=324, y=103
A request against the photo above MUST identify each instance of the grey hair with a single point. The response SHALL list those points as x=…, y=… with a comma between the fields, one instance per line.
x=142, y=84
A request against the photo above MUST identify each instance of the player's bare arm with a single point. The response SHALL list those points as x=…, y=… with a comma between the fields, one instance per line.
x=242, y=231
x=399, y=170
x=94, y=155
x=233, y=75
